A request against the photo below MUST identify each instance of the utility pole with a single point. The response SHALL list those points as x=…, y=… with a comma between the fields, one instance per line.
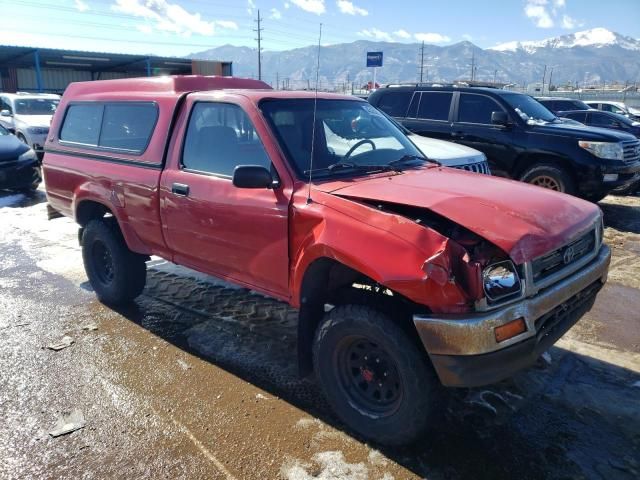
x=550, y=78
x=259, y=39
x=544, y=76
x=495, y=73
x=421, y=60
x=277, y=80
x=473, y=65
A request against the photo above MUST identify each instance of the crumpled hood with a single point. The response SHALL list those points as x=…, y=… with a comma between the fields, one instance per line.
x=523, y=220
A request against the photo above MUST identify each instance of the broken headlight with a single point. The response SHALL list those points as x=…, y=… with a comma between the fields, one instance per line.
x=501, y=280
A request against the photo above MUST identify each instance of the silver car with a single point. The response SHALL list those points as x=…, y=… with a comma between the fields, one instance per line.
x=28, y=115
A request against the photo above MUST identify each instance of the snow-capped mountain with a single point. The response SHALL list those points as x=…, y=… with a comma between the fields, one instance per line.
x=591, y=56
x=596, y=37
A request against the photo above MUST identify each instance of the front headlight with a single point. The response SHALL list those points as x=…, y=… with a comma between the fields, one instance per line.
x=610, y=150
x=28, y=155
x=501, y=280
x=38, y=130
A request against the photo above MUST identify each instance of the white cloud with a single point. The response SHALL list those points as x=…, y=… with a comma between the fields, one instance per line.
x=402, y=34
x=228, y=24
x=548, y=13
x=311, y=6
x=349, y=8
x=375, y=34
x=539, y=14
x=81, y=6
x=170, y=17
x=250, y=6
x=467, y=37
x=275, y=14
x=287, y=5
x=431, y=37
x=145, y=28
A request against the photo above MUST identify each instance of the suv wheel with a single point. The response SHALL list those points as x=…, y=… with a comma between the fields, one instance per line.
x=374, y=376
x=551, y=177
x=117, y=274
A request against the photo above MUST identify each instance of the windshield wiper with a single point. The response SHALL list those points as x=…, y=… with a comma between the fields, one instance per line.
x=352, y=166
x=411, y=158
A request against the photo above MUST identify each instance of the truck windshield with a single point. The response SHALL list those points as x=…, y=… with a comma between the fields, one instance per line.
x=351, y=137
x=529, y=109
x=36, y=106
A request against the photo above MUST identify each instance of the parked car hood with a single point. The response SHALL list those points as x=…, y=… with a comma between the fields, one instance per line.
x=448, y=153
x=35, y=120
x=11, y=148
x=523, y=220
x=583, y=132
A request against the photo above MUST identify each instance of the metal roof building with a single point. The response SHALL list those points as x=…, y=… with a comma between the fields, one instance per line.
x=51, y=70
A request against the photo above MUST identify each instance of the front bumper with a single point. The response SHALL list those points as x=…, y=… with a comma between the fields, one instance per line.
x=464, y=350
x=16, y=175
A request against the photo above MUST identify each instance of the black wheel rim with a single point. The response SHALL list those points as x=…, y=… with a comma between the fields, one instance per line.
x=368, y=376
x=103, y=262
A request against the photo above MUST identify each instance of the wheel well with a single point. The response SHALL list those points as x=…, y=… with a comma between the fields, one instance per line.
x=89, y=210
x=329, y=282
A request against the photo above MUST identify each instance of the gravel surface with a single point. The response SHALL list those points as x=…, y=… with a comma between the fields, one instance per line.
x=198, y=380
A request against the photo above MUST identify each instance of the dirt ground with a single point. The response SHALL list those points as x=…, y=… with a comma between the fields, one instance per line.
x=198, y=380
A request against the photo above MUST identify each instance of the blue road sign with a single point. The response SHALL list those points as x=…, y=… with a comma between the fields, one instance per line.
x=374, y=59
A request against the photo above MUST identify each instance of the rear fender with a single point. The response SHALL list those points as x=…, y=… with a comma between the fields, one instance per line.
x=114, y=204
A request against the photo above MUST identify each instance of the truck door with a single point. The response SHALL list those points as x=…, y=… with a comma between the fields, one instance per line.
x=211, y=225
x=472, y=127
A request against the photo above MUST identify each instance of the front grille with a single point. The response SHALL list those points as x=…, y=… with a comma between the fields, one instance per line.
x=631, y=151
x=568, y=312
x=480, y=167
x=563, y=257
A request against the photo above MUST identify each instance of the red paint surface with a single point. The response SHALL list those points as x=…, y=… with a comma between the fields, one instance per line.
x=266, y=239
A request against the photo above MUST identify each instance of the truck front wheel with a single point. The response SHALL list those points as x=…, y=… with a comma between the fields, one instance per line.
x=374, y=376
x=117, y=274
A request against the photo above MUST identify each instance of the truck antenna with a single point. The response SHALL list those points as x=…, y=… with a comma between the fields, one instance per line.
x=313, y=128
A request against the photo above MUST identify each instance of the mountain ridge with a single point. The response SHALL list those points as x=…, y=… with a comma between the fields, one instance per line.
x=590, y=56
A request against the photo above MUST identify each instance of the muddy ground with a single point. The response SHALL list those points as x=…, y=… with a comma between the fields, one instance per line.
x=198, y=380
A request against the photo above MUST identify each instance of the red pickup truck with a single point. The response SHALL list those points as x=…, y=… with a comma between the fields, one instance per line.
x=407, y=275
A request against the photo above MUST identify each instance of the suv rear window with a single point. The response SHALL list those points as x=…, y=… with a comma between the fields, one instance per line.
x=122, y=126
x=435, y=105
x=395, y=103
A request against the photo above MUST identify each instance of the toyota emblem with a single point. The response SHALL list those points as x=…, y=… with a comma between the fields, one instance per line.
x=568, y=255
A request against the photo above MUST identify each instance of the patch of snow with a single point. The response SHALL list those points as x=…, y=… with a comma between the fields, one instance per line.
x=331, y=466
x=596, y=37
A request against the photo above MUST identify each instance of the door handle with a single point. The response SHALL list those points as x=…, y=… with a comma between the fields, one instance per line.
x=180, y=189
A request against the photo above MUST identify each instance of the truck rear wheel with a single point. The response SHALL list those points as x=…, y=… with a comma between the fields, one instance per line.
x=374, y=376
x=551, y=177
x=117, y=274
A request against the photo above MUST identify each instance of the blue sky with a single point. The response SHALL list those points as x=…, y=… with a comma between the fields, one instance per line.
x=179, y=27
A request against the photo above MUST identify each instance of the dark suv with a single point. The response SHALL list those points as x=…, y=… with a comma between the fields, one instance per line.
x=521, y=138
x=561, y=104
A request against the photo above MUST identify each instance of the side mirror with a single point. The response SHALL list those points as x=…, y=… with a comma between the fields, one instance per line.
x=252, y=176
x=5, y=113
x=499, y=118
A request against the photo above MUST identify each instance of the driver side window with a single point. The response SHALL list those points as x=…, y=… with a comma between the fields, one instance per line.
x=220, y=137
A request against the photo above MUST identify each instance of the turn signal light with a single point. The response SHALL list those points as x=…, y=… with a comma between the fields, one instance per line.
x=510, y=330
